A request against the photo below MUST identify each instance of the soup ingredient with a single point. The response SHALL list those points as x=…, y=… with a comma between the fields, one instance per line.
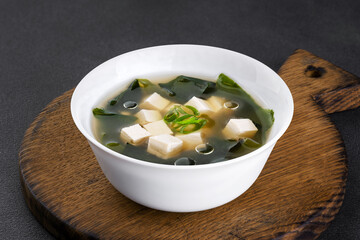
x=201, y=105
x=216, y=103
x=155, y=101
x=164, y=146
x=265, y=116
x=204, y=149
x=239, y=128
x=185, y=161
x=147, y=116
x=231, y=105
x=130, y=104
x=243, y=146
x=191, y=140
x=137, y=83
x=158, y=128
x=182, y=88
x=101, y=111
x=184, y=119
x=134, y=134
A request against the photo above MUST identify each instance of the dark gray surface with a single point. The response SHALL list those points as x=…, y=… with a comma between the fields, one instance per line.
x=46, y=47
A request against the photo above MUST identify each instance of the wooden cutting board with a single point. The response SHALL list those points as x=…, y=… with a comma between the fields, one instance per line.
x=297, y=195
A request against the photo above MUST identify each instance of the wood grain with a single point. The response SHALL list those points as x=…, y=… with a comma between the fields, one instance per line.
x=297, y=195
x=339, y=100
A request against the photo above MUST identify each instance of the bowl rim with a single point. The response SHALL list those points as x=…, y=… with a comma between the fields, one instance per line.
x=267, y=145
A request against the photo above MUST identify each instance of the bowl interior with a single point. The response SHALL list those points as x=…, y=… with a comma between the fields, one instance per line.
x=263, y=84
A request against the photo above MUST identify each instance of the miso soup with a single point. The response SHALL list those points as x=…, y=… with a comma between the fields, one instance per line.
x=185, y=121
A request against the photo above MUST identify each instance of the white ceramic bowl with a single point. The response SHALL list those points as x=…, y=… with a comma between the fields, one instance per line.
x=181, y=188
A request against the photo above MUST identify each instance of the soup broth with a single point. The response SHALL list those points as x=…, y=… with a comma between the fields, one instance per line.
x=185, y=121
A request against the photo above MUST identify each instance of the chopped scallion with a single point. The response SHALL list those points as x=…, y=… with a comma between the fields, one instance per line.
x=182, y=121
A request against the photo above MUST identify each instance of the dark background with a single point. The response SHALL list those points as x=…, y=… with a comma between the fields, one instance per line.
x=46, y=48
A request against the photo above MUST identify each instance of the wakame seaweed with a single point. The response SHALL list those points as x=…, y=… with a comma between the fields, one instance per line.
x=137, y=83
x=182, y=88
x=101, y=111
x=264, y=117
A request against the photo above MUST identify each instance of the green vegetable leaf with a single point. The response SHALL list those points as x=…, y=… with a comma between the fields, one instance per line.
x=134, y=85
x=116, y=99
x=244, y=144
x=139, y=83
x=182, y=88
x=117, y=147
x=229, y=85
x=250, y=143
x=241, y=147
x=101, y=111
x=112, y=144
x=142, y=83
x=226, y=81
x=271, y=113
x=265, y=116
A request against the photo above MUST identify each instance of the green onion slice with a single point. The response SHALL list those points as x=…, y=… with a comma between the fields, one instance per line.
x=183, y=121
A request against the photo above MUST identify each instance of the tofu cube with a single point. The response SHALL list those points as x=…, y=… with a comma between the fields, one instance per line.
x=239, y=128
x=191, y=140
x=158, y=128
x=155, y=102
x=147, y=116
x=216, y=103
x=134, y=134
x=201, y=105
x=164, y=146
